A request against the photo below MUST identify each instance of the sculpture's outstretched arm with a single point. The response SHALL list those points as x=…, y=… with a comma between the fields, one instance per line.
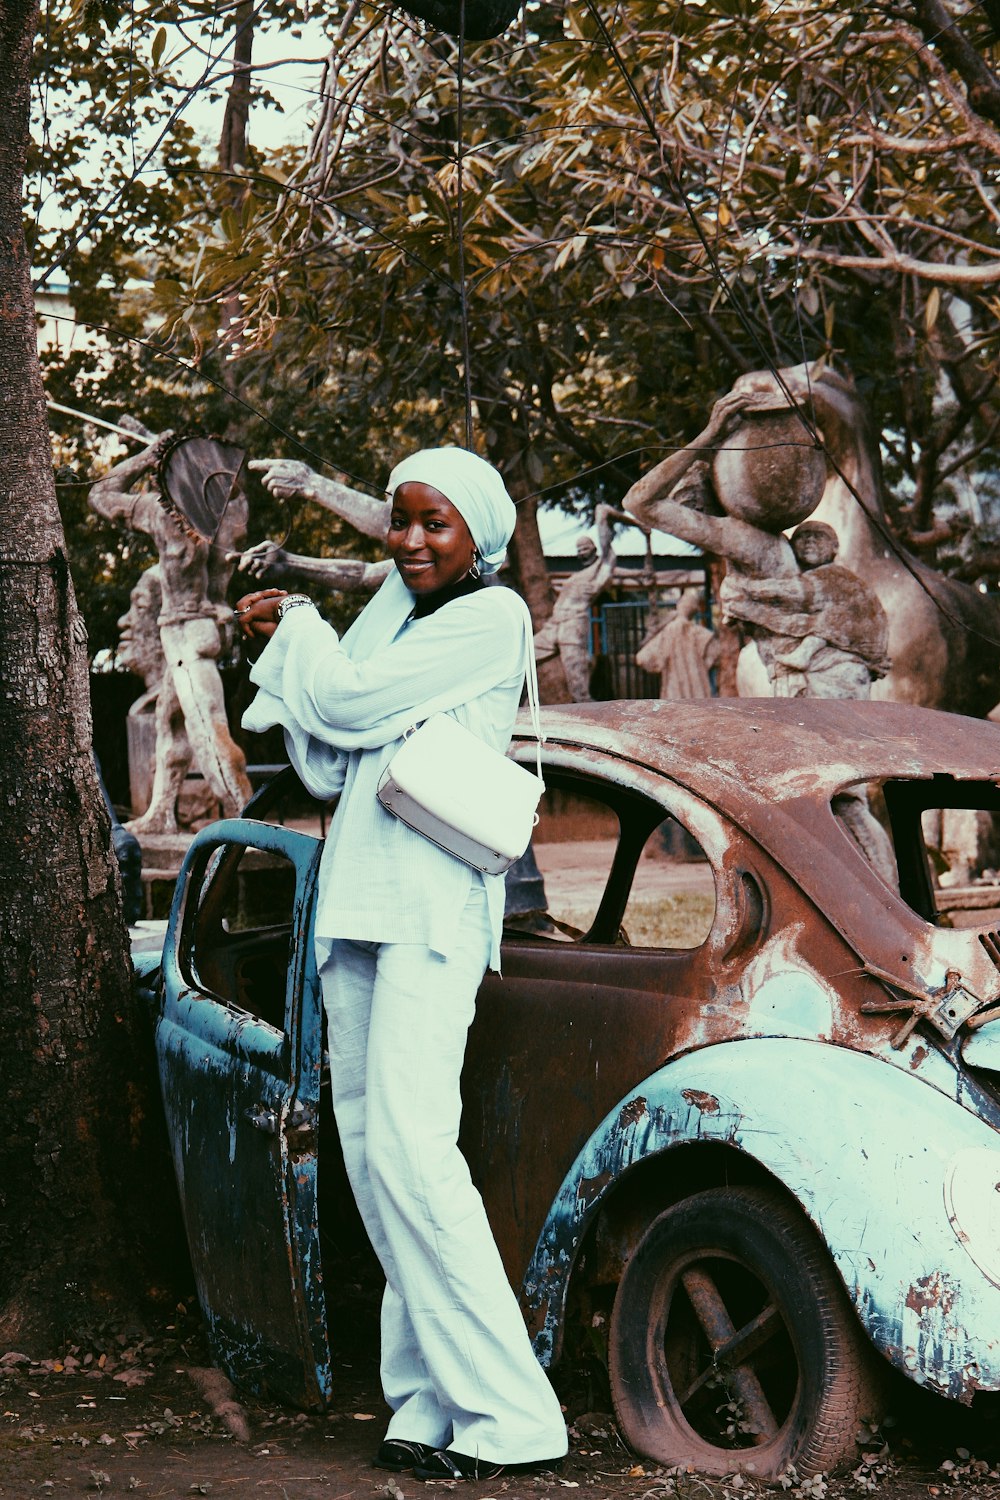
x=790, y=592
x=646, y=494
x=605, y=517
x=288, y=478
x=753, y=550
x=270, y=563
x=110, y=497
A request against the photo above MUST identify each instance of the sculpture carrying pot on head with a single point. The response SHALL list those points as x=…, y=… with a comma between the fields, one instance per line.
x=757, y=468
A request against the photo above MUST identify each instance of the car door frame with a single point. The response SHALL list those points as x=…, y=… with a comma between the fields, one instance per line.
x=235, y=1085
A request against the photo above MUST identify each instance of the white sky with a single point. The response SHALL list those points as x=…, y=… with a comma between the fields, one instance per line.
x=294, y=83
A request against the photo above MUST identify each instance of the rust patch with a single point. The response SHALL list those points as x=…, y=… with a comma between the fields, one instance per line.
x=591, y=1187
x=537, y=1316
x=931, y=1291
x=632, y=1112
x=919, y=1053
x=707, y=1103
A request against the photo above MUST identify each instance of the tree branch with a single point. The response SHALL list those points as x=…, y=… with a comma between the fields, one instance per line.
x=939, y=30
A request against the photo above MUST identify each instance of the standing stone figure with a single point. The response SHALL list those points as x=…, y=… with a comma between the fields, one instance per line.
x=681, y=653
x=141, y=652
x=566, y=633
x=195, y=627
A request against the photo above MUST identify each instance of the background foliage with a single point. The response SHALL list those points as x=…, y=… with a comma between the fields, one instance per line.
x=655, y=198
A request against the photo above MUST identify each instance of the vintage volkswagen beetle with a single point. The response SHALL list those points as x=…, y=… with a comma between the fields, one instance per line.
x=734, y=1103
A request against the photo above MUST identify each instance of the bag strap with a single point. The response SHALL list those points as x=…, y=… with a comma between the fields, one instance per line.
x=531, y=681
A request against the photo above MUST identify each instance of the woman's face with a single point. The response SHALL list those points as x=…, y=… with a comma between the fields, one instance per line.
x=428, y=539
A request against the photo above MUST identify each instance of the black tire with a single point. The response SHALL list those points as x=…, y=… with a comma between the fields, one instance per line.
x=741, y=1272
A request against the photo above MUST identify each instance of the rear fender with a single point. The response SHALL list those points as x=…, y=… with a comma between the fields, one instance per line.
x=868, y=1151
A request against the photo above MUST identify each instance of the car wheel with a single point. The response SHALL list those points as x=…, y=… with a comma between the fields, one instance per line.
x=733, y=1344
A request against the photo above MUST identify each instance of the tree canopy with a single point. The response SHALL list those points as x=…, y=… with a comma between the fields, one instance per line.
x=652, y=200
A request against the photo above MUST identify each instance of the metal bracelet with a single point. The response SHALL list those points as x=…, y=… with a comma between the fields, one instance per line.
x=292, y=601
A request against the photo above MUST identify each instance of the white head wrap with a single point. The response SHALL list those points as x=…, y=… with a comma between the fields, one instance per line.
x=477, y=492
x=474, y=488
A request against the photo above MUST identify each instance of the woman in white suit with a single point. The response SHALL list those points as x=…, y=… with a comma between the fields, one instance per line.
x=404, y=933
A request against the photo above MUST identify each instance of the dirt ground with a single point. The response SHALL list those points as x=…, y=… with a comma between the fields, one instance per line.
x=121, y=1414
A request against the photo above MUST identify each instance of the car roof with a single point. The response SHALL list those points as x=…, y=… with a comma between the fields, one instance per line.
x=742, y=752
x=772, y=766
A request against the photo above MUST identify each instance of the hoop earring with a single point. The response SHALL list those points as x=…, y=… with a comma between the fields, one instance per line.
x=474, y=570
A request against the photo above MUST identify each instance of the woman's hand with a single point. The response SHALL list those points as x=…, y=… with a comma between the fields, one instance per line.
x=257, y=614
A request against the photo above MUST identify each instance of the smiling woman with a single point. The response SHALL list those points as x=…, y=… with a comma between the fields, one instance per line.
x=404, y=932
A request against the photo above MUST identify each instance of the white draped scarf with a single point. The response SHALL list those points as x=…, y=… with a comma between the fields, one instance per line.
x=478, y=493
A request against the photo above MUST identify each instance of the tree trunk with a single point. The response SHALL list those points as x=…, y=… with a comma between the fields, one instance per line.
x=233, y=137
x=71, y=1108
x=527, y=560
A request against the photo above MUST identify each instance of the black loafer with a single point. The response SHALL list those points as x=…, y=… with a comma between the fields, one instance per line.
x=443, y=1463
x=398, y=1455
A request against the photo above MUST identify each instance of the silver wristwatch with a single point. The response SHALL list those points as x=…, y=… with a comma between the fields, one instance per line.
x=291, y=602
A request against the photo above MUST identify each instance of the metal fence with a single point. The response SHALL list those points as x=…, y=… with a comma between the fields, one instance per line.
x=618, y=632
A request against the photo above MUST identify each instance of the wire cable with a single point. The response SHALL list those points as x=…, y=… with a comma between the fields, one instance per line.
x=463, y=291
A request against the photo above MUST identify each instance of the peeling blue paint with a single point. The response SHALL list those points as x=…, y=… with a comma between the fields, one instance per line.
x=241, y=1098
x=804, y=1111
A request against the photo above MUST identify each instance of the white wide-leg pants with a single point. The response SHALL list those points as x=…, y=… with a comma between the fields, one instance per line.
x=458, y=1369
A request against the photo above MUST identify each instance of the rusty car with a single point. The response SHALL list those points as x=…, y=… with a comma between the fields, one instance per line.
x=733, y=1106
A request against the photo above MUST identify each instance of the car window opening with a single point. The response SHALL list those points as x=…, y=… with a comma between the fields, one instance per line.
x=240, y=939
x=936, y=842
x=636, y=862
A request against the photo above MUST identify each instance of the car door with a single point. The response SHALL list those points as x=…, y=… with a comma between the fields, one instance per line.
x=239, y=1047
x=594, y=998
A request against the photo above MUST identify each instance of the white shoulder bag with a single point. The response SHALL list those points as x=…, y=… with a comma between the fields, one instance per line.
x=461, y=794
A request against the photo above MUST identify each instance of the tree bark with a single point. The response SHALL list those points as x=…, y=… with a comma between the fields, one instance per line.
x=233, y=137
x=527, y=560
x=941, y=31
x=69, y=1061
